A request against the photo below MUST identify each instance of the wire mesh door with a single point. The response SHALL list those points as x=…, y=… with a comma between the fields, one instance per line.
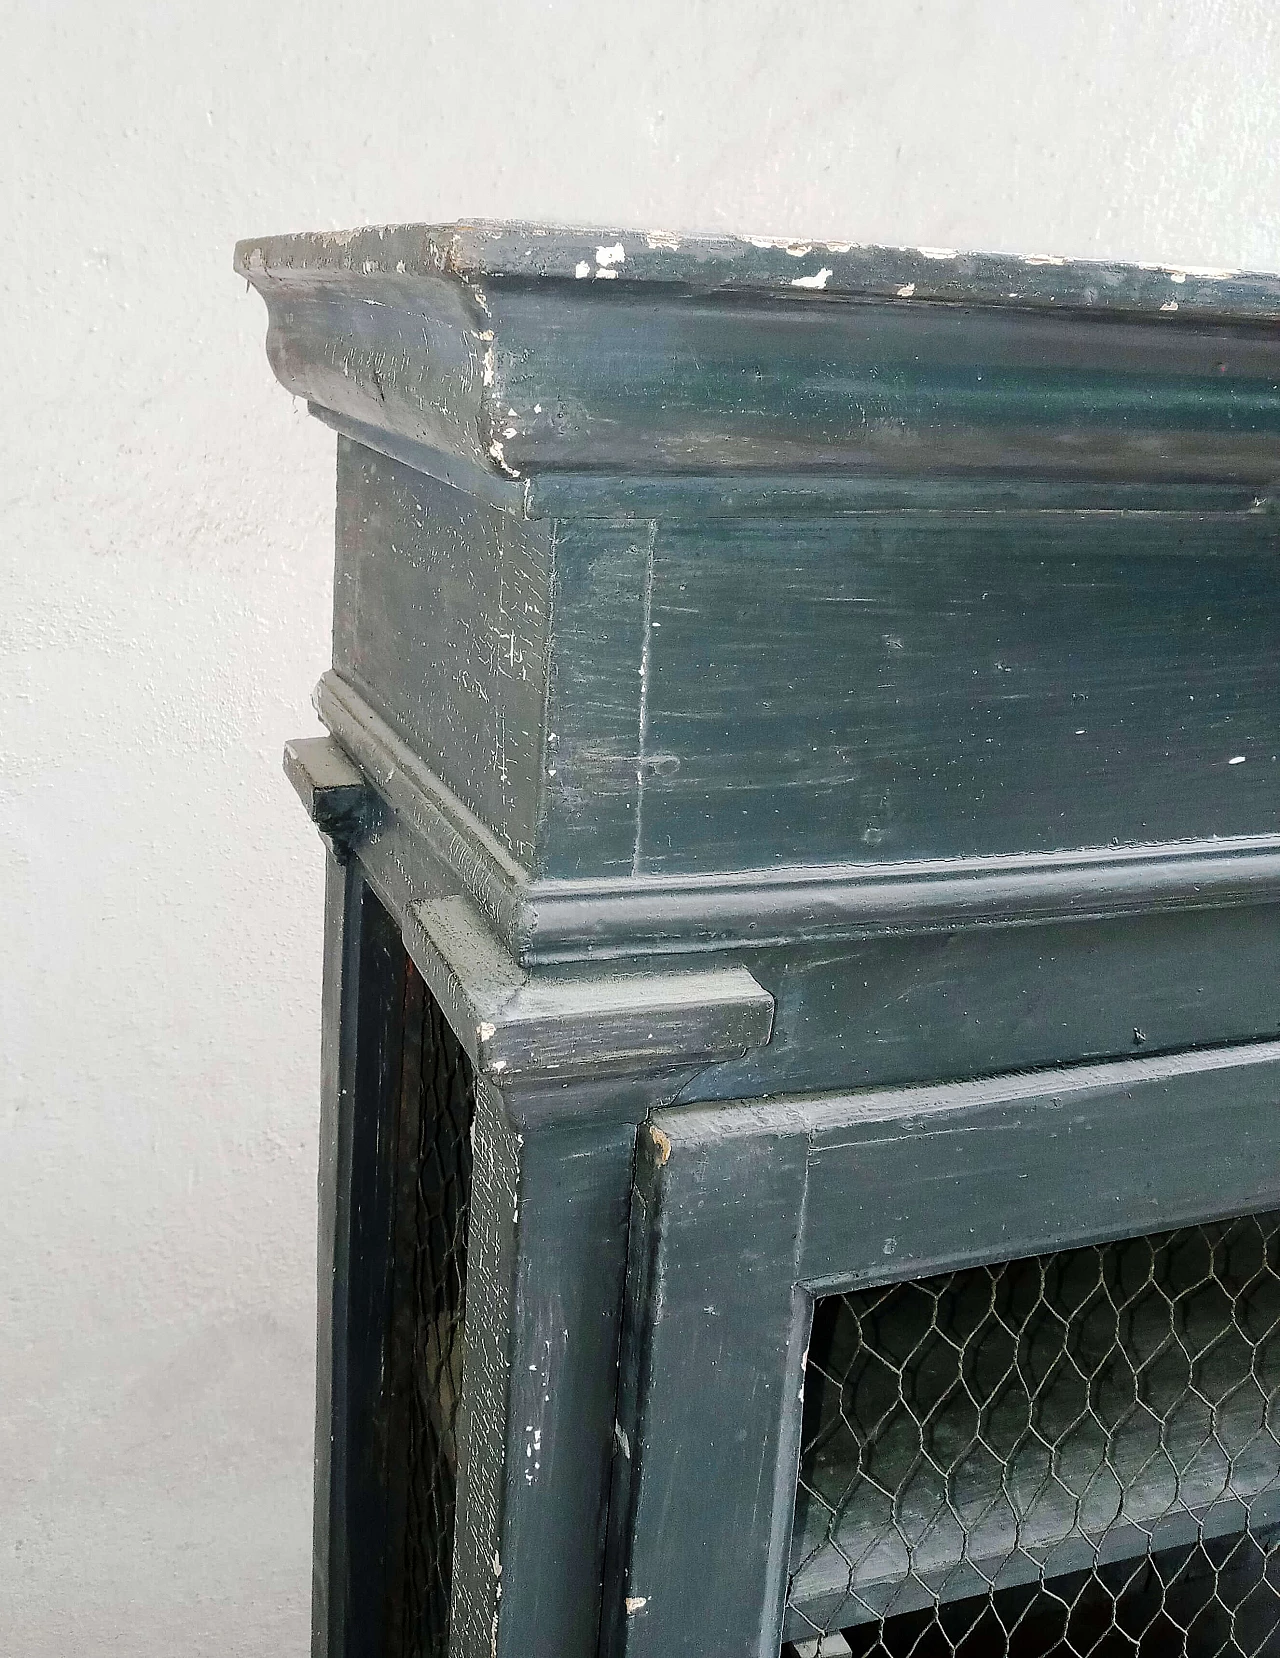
x=1074, y=1454
x=431, y=1203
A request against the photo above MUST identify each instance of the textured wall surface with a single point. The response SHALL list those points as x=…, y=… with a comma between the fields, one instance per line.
x=166, y=523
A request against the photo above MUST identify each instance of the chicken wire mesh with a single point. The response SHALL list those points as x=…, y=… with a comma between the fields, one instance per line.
x=1073, y=1454
x=433, y=1186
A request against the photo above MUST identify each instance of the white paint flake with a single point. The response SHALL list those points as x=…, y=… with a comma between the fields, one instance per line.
x=938, y=253
x=636, y=1603
x=1169, y=305
x=663, y=239
x=486, y=1032
x=906, y=290
x=819, y=279
x=1043, y=259
x=1236, y=760
x=581, y=269
x=1212, y=273
x=615, y=255
x=495, y=450
x=605, y=272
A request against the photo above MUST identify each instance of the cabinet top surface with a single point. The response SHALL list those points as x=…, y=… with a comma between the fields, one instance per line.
x=476, y=251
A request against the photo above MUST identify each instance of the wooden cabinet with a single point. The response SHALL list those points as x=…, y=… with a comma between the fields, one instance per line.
x=802, y=1044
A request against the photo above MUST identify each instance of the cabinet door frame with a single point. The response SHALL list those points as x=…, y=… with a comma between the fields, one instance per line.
x=744, y=1214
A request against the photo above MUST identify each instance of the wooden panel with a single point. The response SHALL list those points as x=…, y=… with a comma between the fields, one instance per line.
x=907, y=1182
x=486, y=1375
x=915, y=686
x=996, y=999
x=602, y=576
x=441, y=616
x=573, y=1197
x=709, y=1419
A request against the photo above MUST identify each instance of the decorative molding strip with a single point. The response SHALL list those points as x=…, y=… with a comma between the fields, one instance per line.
x=456, y=470
x=628, y=497
x=452, y=835
x=543, y=922
x=852, y=901
x=514, y=1024
x=518, y=1026
x=483, y=344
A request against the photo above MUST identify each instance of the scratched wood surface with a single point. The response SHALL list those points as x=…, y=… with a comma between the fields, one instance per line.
x=921, y=686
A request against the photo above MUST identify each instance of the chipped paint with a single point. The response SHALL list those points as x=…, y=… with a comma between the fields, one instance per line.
x=1043, y=259
x=613, y=255
x=1169, y=305
x=1207, y=273
x=819, y=279
x=663, y=239
x=582, y=268
x=486, y=1032
x=937, y=253
x=496, y=451
x=663, y=1143
x=906, y=290
x=636, y=1603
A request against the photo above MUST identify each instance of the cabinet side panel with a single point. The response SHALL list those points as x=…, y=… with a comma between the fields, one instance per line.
x=441, y=621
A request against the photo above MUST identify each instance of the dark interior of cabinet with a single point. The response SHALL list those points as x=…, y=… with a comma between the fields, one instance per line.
x=402, y=1272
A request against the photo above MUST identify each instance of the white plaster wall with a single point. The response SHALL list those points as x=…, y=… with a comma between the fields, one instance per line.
x=164, y=589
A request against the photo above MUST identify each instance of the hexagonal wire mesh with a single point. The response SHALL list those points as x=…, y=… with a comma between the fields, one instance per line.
x=1074, y=1454
x=433, y=1188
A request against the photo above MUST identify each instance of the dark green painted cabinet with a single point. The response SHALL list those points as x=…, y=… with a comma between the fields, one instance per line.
x=801, y=1120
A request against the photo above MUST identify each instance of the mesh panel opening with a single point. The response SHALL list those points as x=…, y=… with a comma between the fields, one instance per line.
x=432, y=1197
x=1073, y=1454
